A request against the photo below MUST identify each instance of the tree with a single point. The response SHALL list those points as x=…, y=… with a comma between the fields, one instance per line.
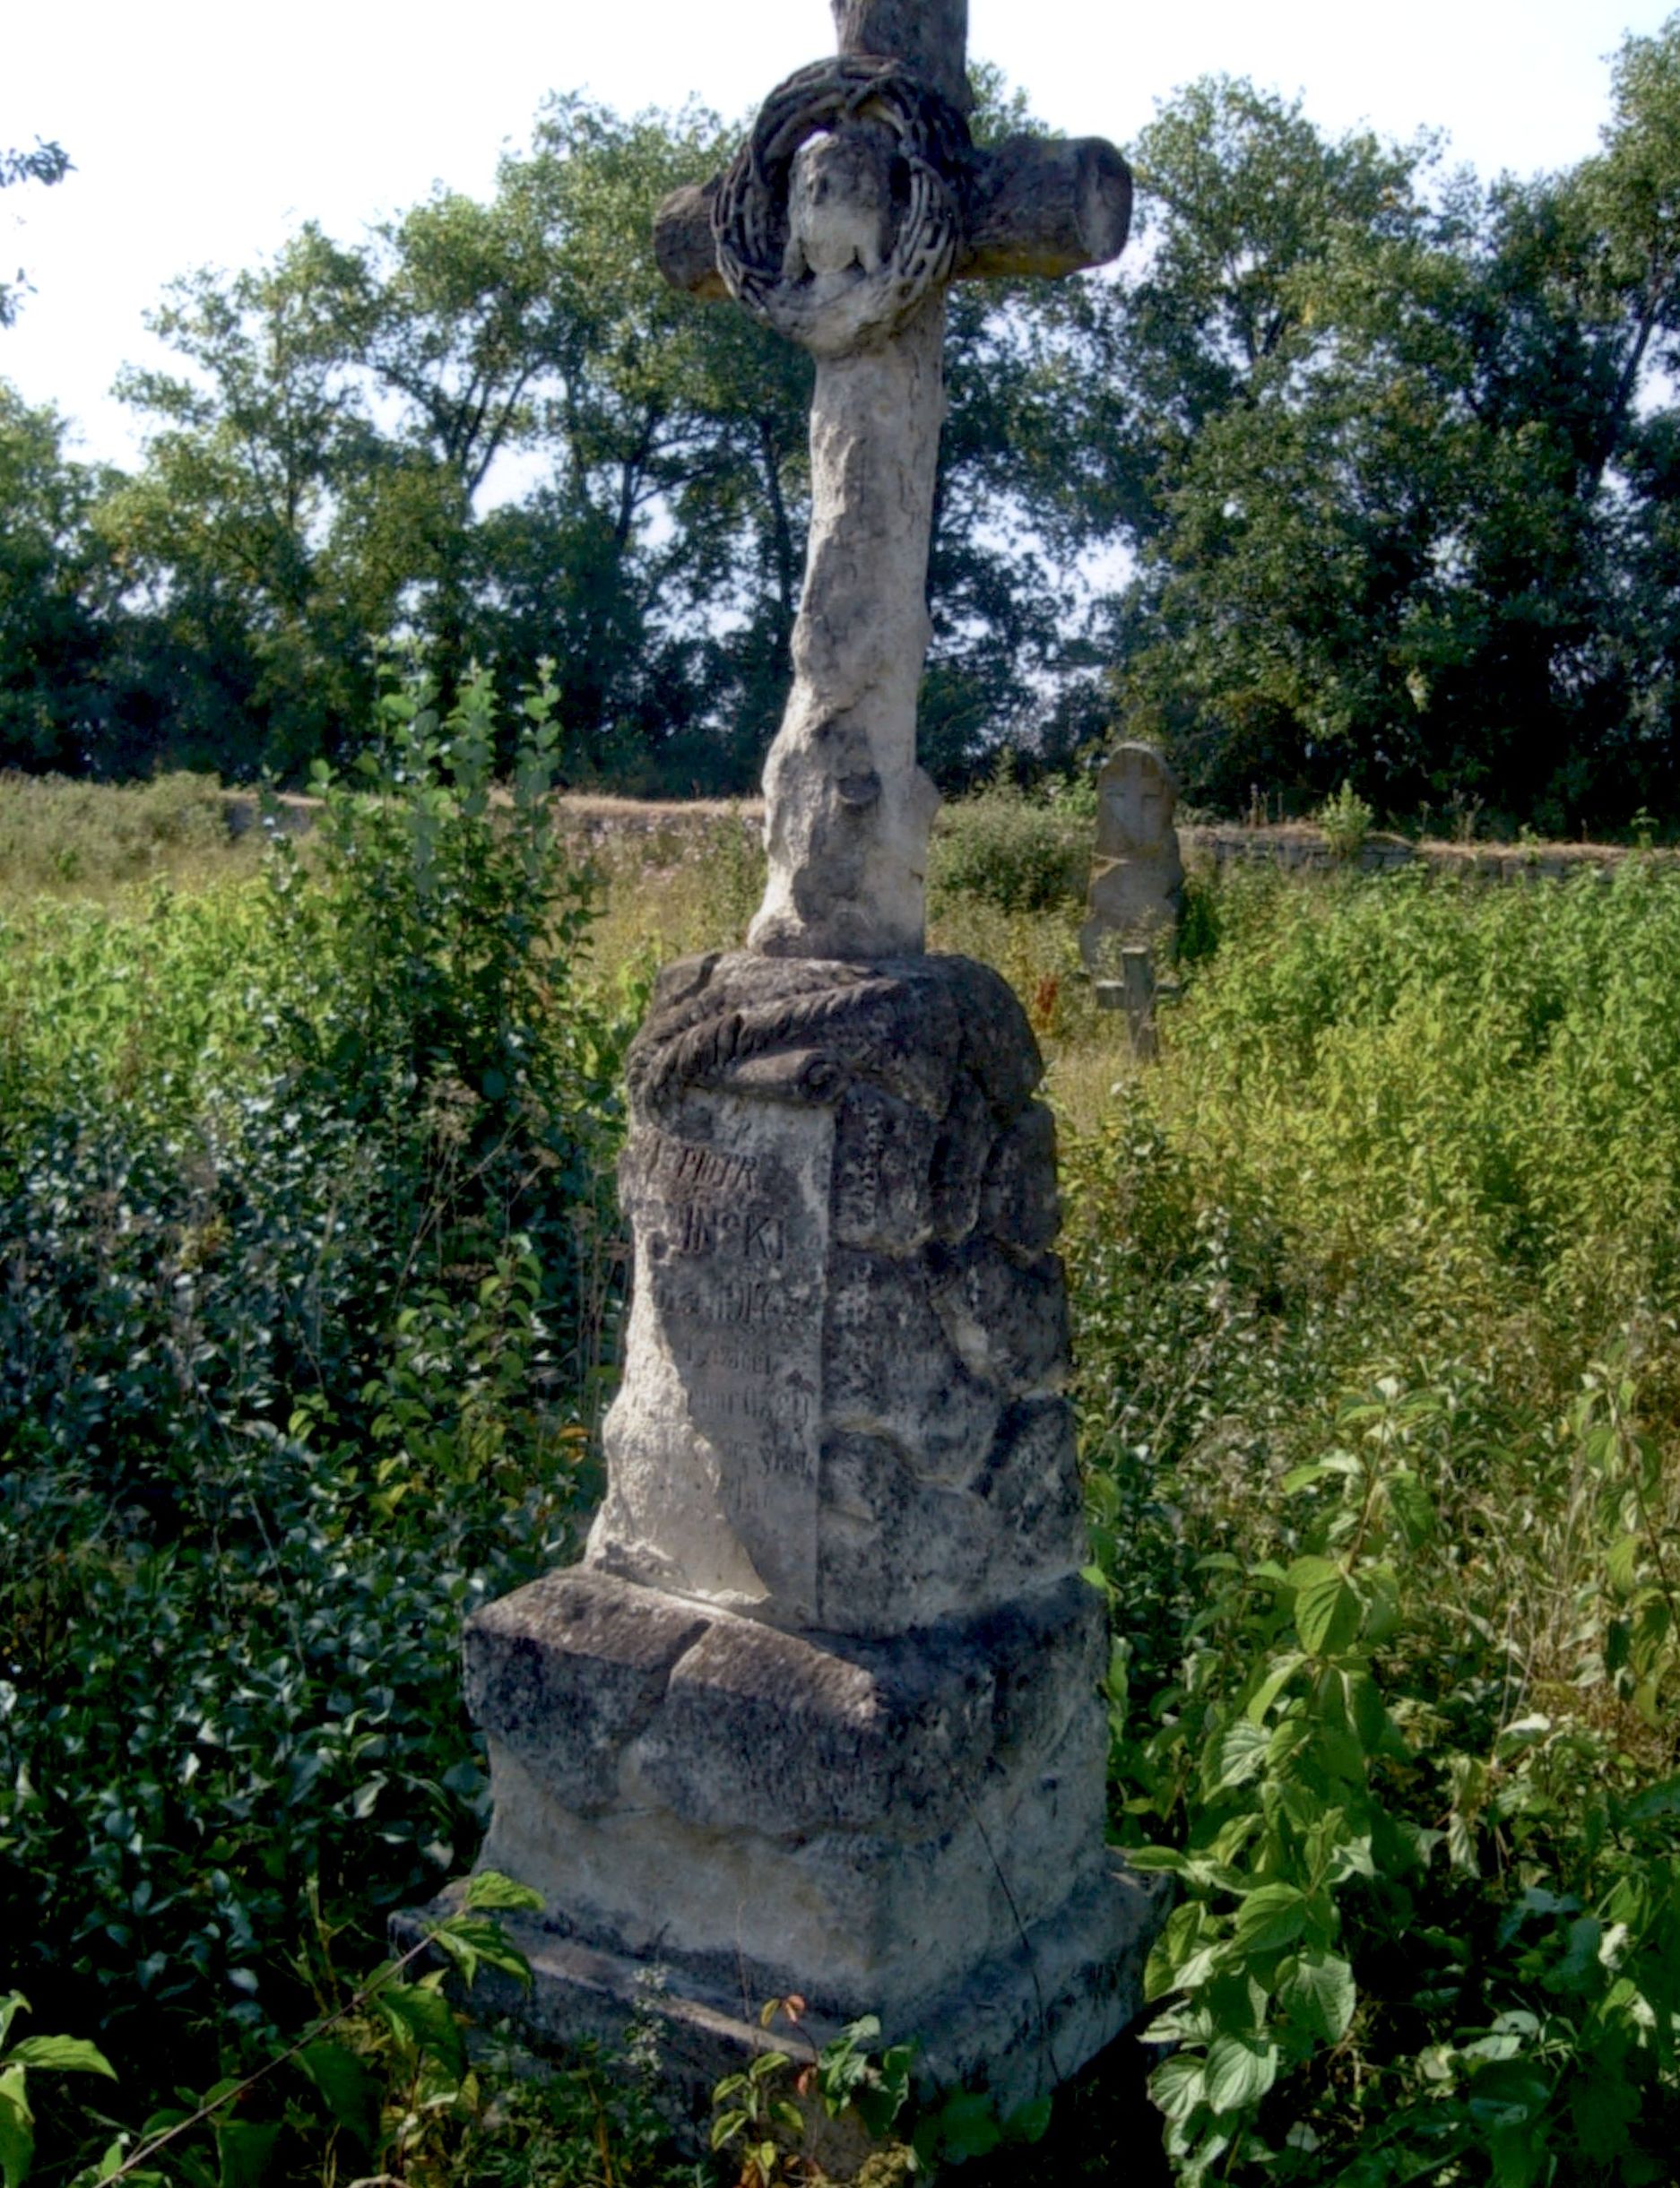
x=1377, y=439
x=1269, y=438
x=46, y=164
x=58, y=599
x=1628, y=204
x=676, y=441
x=240, y=536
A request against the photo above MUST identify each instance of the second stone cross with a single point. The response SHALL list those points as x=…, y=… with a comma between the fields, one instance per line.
x=819, y=1711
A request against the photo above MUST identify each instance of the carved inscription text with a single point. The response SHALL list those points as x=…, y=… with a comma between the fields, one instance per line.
x=733, y=1233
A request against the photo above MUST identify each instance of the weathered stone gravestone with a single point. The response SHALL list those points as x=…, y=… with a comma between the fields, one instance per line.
x=1137, y=877
x=1137, y=881
x=818, y=1712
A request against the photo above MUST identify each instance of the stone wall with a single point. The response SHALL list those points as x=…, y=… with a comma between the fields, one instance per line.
x=1298, y=847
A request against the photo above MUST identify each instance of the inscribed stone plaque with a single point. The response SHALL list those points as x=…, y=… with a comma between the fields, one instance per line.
x=732, y=1215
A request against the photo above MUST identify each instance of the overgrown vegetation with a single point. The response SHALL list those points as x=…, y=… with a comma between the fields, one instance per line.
x=60, y=837
x=1378, y=1286
x=308, y=1268
x=309, y=1310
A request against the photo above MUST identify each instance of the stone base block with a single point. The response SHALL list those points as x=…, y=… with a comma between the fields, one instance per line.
x=717, y=1811
x=859, y=1821
x=1016, y=2024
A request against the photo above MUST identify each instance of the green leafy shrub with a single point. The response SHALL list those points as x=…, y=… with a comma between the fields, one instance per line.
x=1018, y=851
x=309, y=1295
x=380, y=2084
x=1377, y=1289
x=1345, y=822
x=41, y=2054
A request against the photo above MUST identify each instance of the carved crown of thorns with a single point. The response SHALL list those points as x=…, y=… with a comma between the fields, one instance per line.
x=749, y=219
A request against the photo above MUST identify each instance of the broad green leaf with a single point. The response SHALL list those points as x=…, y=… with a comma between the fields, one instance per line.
x=468, y=1940
x=1339, y=1752
x=1621, y=1564
x=1234, y=1755
x=1604, y=2105
x=1507, y=2093
x=968, y=2125
x=1275, y=1914
x=244, y=2147
x=426, y=2017
x=1179, y=1937
x=1327, y=1606
x=725, y=2127
x=1239, y=2071
x=69, y=2053
x=1149, y=1858
x=1272, y=1686
x=350, y=2092
x=1176, y=2087
x=1660, y=1800
x=1302, y=1477
x=17, y=2128
x=490, y=1888
x=1413, y=1510
x=1365, y=1712
x=1319, y=1990
x=1028, y=2122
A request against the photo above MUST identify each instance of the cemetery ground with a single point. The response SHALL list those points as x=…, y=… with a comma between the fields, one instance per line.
x=312, y=1279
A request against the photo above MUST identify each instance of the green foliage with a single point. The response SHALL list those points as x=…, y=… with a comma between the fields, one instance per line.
x=755, y=2119
x=58, y=596
x=1376, y=1288
x=381, y=2081
x=752, y=2115
x=1360, y=470
x=309, y=1289
x=1345, y=822
x=1397, y=450
x=59, y=836
x=44, y=163
x=53, y=2054
x=1017, y=850
x=850, y=2075
x=307, y=1309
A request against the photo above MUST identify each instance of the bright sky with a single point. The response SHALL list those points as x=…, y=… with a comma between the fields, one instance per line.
x=205, y=131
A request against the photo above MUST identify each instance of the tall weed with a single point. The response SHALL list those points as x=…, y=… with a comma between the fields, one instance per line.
x=59, y=837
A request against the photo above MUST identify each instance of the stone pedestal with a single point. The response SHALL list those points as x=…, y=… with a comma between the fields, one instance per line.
x=820, y=1712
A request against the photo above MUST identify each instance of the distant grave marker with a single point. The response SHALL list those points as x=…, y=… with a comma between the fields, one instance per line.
x=1137, y=885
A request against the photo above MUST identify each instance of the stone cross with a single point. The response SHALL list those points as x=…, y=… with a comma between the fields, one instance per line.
x=816, y=1710
x=859, y=197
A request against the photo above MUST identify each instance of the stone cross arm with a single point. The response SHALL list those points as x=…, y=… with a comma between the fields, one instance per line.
x=1042, y=206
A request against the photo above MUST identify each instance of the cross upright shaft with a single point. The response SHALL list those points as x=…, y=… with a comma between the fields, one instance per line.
x=930, y=35
x=858, y=199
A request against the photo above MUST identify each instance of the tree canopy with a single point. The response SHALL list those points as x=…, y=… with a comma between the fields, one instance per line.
x=1358, y=469
x=44, y=163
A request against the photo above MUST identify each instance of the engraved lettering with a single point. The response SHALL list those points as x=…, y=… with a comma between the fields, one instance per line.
x=685, y=1167
x=738, y=1293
